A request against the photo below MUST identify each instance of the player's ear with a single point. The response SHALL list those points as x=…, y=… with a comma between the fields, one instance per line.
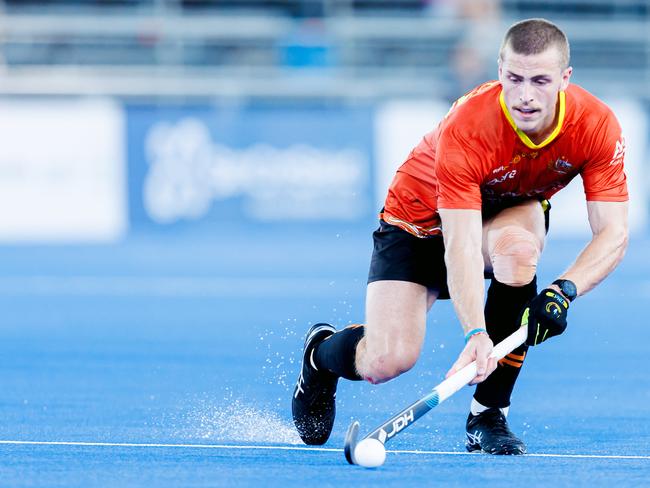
x=566, y=76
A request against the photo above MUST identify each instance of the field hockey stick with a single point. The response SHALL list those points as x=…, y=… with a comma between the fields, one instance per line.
x=439, y=394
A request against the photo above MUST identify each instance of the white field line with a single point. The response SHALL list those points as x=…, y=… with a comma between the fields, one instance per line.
x=293, y=448
x=171, y=286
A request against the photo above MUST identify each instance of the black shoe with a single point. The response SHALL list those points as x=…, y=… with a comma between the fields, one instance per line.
x=314, y=399
x=488, y=432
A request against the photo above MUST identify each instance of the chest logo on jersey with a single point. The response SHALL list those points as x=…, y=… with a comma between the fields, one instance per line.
x=561, y=166
x=517, y=158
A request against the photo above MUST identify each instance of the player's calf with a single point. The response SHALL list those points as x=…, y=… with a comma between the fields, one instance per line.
x=503, y=310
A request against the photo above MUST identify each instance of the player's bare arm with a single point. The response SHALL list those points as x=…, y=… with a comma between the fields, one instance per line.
x=547, y=313
x=609, y=225
x=463, y=234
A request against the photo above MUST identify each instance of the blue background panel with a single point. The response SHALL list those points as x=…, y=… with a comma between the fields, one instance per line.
x=202, y=144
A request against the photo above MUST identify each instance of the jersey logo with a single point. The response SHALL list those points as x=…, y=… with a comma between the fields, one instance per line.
x=619, y=152
x=561, y=166
x=517, y=158
x=507, y=176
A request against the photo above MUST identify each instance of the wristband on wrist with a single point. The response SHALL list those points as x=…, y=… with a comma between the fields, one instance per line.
x=473, y=332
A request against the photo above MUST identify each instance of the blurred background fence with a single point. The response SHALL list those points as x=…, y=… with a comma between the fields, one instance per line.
x=126, y=115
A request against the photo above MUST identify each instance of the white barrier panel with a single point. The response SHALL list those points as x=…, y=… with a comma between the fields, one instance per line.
x=62, y=171
x=399, y=127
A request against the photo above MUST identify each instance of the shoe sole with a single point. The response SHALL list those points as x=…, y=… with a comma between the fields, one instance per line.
x=473, y=448
x=476, y=448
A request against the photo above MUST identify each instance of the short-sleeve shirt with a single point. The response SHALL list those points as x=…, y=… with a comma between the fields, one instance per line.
x=478, y=159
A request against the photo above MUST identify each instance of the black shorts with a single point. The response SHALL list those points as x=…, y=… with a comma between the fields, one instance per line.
x=400, y=256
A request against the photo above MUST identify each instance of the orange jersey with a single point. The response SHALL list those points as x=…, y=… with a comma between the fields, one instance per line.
x=477, y=159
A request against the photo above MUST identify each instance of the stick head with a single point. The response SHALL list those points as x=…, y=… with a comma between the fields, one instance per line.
x=351, y=438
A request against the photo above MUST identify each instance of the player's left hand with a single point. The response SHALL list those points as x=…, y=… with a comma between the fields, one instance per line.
x=546, y=315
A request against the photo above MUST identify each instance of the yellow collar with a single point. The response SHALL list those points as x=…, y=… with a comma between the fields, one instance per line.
x=522, y=135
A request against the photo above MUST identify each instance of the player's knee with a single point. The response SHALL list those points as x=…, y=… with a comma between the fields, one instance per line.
x=514, y=256
x=390, y=364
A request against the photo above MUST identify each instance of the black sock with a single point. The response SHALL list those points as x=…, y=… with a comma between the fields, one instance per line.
x=503, y=310
x=337, y=354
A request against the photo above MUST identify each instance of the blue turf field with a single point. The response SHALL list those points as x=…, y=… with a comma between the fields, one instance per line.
x=169, y=360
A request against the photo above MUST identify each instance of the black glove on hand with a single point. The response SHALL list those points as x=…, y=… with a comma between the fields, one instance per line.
x=546, y=315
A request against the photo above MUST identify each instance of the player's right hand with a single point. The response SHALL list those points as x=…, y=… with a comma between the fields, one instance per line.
x=479, y=347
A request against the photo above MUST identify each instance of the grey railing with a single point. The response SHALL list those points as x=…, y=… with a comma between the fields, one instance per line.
x=162, y=49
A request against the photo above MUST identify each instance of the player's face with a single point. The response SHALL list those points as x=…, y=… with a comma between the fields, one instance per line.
x=530, y=88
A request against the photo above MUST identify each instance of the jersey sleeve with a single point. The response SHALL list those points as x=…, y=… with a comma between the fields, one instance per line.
x=603, y=174
x=457, y=173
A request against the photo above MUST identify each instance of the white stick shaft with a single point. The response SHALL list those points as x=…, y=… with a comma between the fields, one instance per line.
x=459, y=379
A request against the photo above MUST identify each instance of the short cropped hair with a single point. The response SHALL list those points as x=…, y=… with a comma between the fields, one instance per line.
x=534, y=36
